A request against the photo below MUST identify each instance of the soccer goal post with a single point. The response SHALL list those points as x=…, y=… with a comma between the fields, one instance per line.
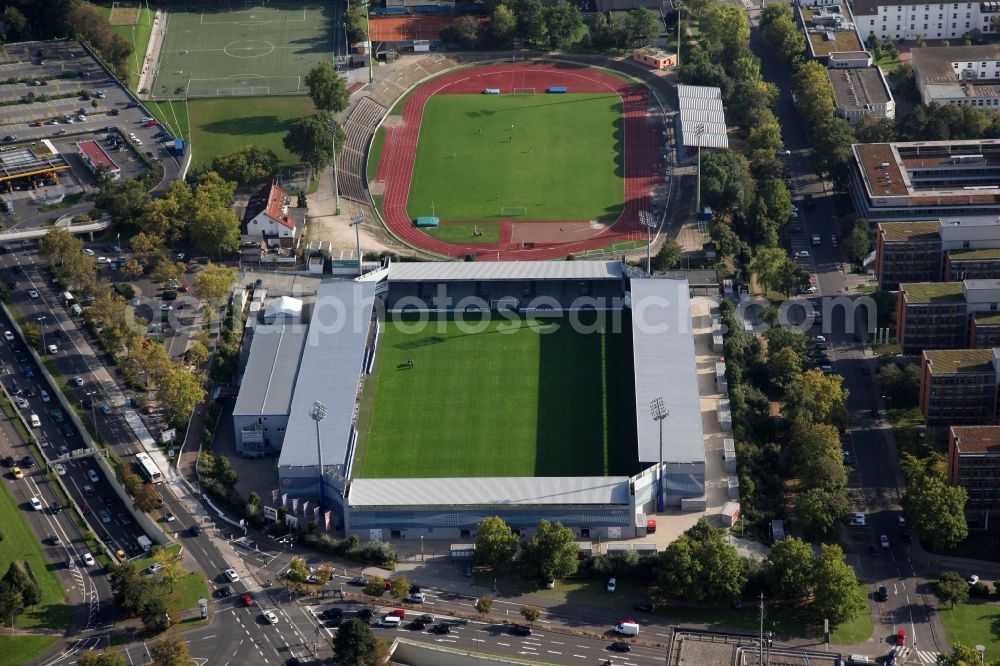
x=509, y=211
x=524, y=91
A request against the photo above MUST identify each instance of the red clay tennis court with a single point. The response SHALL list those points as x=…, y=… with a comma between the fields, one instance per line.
x=405, y=28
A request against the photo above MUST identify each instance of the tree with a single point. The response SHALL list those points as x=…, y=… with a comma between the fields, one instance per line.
x=783, y=366
x=837, y=596
x=154, y=614
x=11, y=604
x=298, y=570
x=170, y=651
x=496, y=543
x=563, y=22
x=726, y=185
x=180, y=391
x=146, y=499
x=781, y=30
x=502, y=25
x=166, y=271
x=701, y=566
x=355, y=644
x=59, y=244
x=197, y=354
x=820, y=510
x=641, y=25
x=249, y=164
x=530, y=613
x=124, y=202
x=530, y=22
x=128, y=589
x=375, y=587
x=951, y=588
x=167, y=217
x=484, y=605
x=816, y=397
x=463, y=30
x=964, y=655
x=766, y=137
x=936, y=509
x=816, y=454
x=92, y=658
x=792, y=337
x=789, y=568
x=668, y=256
x=217, y=231
x=400, y=587
x=552, y=551
x=856, y=244
x=768, y=265
x=872, y=129
x=148, y=248
x=214, y=284
x=327, y=89
x=310, y=138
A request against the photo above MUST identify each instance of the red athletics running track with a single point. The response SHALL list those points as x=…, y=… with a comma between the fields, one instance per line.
x=642, y=148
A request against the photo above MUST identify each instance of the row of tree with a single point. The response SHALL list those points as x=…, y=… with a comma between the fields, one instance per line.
x=550, y=553
x=18, y=591
x=136, y=595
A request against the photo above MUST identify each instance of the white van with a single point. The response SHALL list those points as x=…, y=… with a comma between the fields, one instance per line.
x=35, y=421
x=626, y=629
x=390, y=622
x=76, y=310
x=144, y=543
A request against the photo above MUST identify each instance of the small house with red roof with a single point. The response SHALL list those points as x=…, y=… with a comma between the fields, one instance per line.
x=271, y=217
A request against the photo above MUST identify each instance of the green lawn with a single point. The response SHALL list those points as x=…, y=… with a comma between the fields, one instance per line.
x=187, y=591
x=137, y=35
x=973, y=624
x=559, y=157
x=220, y=126
x=242, y=51
x=375, y=153
x=20, y=650
x=173, y=115
x=21, y=543
x=542, y=400
x=465, y=233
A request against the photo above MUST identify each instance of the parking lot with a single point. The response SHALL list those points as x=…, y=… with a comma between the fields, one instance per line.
x=57, y=91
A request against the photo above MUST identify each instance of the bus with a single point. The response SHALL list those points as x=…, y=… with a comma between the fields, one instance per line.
x=148, y=468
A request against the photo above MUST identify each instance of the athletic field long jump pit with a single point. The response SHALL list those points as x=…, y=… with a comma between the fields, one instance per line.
x=529, y=160
x=242, y=51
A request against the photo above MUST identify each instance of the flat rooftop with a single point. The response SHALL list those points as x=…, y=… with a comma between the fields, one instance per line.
x=974, y=255
x=986, y=318
x=95, y=153
x=490, y=491
x=898, y=232
x=820, y=40
x=446, y=271
x=976, y=439
x=24, y=161
x=273, y=365
x=938, y=68
x=858, y=88
x=959, y=361
x=933, y=292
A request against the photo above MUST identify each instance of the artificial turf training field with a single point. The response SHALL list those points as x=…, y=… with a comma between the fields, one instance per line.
x=542, y=401
x=559, y=157
x=214, y=52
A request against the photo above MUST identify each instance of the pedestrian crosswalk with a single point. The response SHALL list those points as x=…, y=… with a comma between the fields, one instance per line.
x=907, y=654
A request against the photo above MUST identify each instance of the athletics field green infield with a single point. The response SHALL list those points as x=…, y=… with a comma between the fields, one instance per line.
x=531, y=157
x=543, y=400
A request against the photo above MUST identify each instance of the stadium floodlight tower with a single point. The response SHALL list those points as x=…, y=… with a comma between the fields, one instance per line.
x=648, y=220
x=356, y=222
x=336, y=179
x=318, y=413
x=659, y=412
x=699, y=132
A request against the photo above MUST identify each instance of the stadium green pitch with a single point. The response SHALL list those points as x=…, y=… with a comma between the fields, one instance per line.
x=532, y=157
x=541, y=401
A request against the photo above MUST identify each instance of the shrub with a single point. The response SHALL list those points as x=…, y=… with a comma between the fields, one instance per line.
x=980, y=590
x=379, y=554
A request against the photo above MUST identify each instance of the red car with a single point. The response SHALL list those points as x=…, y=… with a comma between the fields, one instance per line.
x=183, y=289
x=901, y=637
x=151, y=123
x=399, y=612
x=248, y=600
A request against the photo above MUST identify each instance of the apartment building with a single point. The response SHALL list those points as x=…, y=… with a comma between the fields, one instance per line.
x=861, y=92
x=829, y=28
x=958, y=75
x=925, y=180
x=948, y=315
x=974, y=464
x=934, y=250
x=905, y=20
x=959, y=386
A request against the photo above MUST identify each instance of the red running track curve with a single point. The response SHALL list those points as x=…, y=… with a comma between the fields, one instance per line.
x=642, y=150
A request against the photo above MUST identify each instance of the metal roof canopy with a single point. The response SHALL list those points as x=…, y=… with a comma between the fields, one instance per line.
x=664, y=365
x=702, y=105
x=490, y=491
x=443, y=271
x=329, y=373
x=22, y=162
x=269, y=378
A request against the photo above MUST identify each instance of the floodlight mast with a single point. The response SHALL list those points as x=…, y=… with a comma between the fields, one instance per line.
x=658, y=410
x=317, y=414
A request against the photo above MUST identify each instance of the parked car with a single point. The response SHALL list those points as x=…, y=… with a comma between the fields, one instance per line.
x=231, y=575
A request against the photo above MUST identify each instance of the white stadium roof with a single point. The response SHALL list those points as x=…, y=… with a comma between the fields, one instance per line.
x=490, y=491
x=702, y=105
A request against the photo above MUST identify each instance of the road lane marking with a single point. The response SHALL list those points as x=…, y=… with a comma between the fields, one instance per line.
x=580, y=656
x=553, y=652
x=503, y=644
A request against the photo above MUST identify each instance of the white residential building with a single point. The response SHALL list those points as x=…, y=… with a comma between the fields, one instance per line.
x=270, y=215
x=904, y=20
x=958, y=75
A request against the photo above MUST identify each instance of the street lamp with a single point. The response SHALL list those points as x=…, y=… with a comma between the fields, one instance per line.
x=679, y=5
x=699, y=132
x=981, y=649
x=93, y=414
x=371, y=46
x=356, y=222
x=647, y=220
x=659, y=412
x=41, y=329
x=317, y=414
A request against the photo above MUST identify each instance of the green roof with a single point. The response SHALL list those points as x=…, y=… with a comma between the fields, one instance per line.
x=987, y=318
x=895, y=232
x=933, y=292
x=981, y=253
x=955, y=361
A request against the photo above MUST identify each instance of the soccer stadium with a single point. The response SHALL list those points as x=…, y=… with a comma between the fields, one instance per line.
x=436, y=394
